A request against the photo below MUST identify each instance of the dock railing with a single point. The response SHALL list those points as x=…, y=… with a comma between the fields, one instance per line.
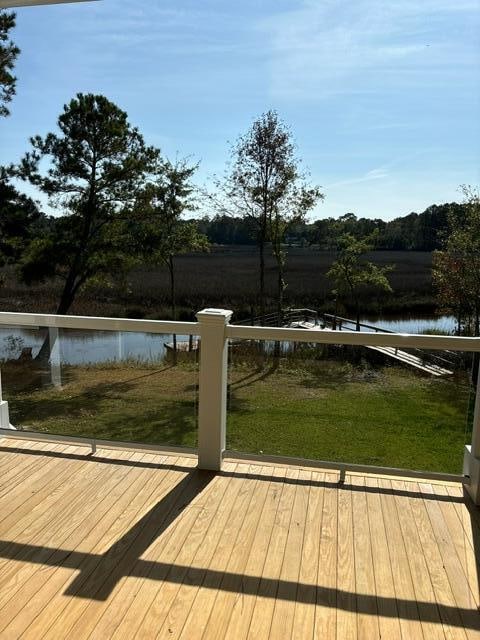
x=444, y=358
x=215, y=331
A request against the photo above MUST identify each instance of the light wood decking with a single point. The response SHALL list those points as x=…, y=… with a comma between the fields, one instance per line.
x=125, y=544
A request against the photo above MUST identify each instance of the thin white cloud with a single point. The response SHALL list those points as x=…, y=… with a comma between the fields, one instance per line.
x=338, y=47
x=373, y=174
x=149, y=29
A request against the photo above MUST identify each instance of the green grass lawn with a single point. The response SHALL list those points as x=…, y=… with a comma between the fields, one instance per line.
x=326, y=410
x=154, y=405
x=392, y=418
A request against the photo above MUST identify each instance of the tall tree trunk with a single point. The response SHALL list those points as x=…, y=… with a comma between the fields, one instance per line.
x=281, y=288
x=277, y=350
x=280, y=259
x=66, y=301
x=173, y=303
x=357, y=311
x=476, y=354
x=75, y=277
x=261, y=253
x=261, y=248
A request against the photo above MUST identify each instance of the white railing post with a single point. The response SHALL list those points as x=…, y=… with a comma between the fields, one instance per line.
x=471, y=461
x=55, y=357
x=212, y=405
x=4, y=414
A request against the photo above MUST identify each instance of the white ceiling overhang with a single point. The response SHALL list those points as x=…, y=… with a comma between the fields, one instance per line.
x=11, y=4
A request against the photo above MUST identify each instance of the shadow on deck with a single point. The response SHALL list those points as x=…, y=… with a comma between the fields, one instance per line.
x=123, y=543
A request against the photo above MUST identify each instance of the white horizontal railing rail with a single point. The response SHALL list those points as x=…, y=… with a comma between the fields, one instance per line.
x=215, y=332
x=356, y=338
x=244, y=332
x=98, y=324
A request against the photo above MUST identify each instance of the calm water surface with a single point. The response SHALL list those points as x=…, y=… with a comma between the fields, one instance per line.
x=414, y=324
x=87, y=347
x=93, y=347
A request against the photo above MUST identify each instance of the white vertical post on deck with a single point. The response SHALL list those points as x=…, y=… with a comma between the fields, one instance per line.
x=4, y=414
x=471, y=462
x=212, y=405
x=55, y=357
x=120, y=346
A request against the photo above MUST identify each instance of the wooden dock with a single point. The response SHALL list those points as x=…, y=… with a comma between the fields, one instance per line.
x=431, y=364
x=434, y=365
x=413, y=361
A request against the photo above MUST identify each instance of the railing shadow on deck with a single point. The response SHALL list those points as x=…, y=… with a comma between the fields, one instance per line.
x=246, y=475
x=87, y=586
x=98, y=574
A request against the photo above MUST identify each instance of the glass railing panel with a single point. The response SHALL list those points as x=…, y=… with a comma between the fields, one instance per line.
x=123, y=386
x=347, y=404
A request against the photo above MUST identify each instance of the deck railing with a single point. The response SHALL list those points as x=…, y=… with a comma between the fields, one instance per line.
x=214, y=330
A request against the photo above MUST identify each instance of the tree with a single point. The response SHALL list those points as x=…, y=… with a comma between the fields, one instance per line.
x=456, y=267
x=20, y=221
x=351, y=273
x=292, y=208
x=165, y=234
x=225, y=229
x=98, y=164
x=9, y=53
x=264, y=186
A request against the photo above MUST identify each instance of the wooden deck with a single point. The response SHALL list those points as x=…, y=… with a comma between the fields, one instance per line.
x=124, y=544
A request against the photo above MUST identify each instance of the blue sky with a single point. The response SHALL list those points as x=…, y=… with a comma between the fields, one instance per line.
x=383, y=97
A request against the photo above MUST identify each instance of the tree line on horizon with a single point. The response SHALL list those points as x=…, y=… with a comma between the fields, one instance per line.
x=413, y=232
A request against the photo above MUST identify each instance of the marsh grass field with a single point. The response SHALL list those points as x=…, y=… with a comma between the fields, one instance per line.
x=227, y=276
x=324, y=409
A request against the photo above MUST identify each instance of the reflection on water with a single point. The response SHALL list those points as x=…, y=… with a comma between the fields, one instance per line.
x=92, y=347
x=87, y=347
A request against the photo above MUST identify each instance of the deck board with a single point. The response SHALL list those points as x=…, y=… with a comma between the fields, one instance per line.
x=131, y=544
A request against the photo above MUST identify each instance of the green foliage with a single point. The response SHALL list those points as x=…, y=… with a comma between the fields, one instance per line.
x=20, y=221
x=265, y=185
x=163, y=232
x=413, y=232
x=351, y=272
x=225, y=229
x=97, y=167
x=456, y=267
x=9, y=53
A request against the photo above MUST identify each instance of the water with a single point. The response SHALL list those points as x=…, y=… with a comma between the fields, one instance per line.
x=87, y=347
x=94, y=347
x=414, y=324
